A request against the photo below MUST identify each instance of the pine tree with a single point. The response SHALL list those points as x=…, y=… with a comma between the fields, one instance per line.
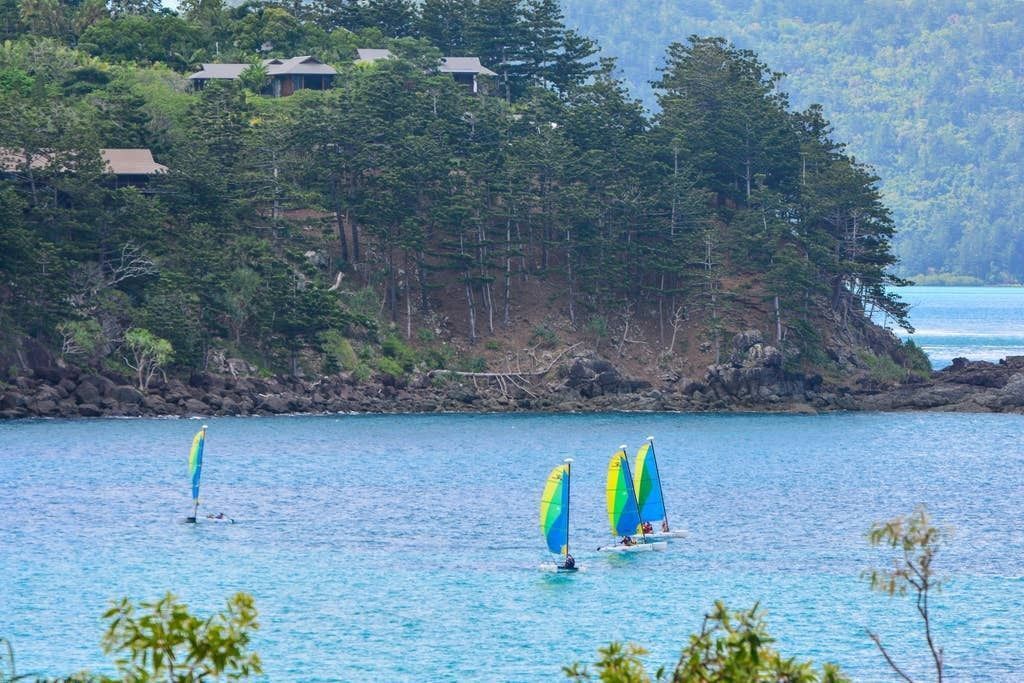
x=445, y=24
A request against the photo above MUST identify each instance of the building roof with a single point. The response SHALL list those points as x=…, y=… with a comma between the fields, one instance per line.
x=464, y=65
x=117, y=161
x=228, y=71
x=367, y=55
x=131, y=162
x=304, y=65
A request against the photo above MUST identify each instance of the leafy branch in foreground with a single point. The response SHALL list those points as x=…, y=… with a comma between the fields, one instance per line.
x=167, y=642
x=731, y=646
x=915, y=542
x=163, y=641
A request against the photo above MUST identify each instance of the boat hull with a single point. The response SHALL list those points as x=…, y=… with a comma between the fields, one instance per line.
x=635, y=548
x=661, y=535
x=557, y=568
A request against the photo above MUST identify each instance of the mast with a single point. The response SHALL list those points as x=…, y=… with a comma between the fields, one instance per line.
x=632, y=491
x=568, y=476
x=661, y=491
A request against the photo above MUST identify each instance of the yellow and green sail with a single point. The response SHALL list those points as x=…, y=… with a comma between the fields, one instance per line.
x=623, y=513
x=195, y=461
x=647, y=482
x=554, y=510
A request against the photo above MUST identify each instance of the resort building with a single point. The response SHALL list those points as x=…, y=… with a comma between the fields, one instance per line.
x=285, y=75
x=465, y=70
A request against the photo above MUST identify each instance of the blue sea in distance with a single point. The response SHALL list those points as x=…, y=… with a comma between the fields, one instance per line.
x=980, y=323
x=394, y=548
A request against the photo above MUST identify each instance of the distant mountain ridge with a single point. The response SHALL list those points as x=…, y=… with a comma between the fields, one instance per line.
x=929, y=93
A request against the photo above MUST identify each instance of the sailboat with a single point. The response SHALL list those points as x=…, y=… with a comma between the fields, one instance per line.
x=195, y=469
x=623, y=509
x=649, y=494
x=554, y=517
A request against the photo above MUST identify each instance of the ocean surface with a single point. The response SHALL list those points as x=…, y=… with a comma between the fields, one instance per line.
x=394, y=548
x=980, y=323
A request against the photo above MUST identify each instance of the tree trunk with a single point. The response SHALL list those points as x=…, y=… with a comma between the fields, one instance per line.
x=408, y=297
x=505, y=318
x=471, y=308
x=778, y=321
x=339, y=221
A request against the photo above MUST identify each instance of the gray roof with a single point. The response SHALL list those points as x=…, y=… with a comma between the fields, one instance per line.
x=304, y=65
x=367, y=55
x=117, y=161
x=228, y=71
x=131, y=162
x=464, y=65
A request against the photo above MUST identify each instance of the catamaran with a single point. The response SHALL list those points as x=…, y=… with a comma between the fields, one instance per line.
x=195, y=469
x=554, y=517
x=623, y=510
x=649, y=494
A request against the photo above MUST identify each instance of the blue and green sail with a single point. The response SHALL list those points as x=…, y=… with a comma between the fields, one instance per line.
x=554, y=510
x=623, y=512
x=195, y=462
x=647, y=482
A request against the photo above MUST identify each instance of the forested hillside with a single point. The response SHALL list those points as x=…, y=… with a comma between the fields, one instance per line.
x=927, y=92
x=397, y=221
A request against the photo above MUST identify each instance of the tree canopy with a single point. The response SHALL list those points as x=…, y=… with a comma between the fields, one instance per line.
x=401, y=186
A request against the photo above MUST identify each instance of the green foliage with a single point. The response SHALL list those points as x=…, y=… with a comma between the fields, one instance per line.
x=164, y=641
x=83, y=340
x=389, y=366
x=147, y=354
x=730, y=647
x=597, y=328
x=395, y=349
x=882, y=368
x=928, y=92
x=917, y=360
x=472, y=364
x=16, y=81
x=362, y=372
x=254, y=78
x=886, y=369
x=618, y=664
x=913, y=542
x=947, y=280
x=285, y=222
x=339, y=350
x=544, y=336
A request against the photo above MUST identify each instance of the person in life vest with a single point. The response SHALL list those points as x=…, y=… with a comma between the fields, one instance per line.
x=570, y=562
x=664, y=526
x=627, y=540
x=647, y=527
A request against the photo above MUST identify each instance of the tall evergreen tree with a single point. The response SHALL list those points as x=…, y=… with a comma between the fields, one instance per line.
x=445, y=23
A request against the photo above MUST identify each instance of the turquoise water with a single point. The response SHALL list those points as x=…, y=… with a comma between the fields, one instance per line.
x=980, y=323
x=395, y=548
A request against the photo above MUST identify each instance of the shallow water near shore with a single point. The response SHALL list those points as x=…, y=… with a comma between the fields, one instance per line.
x=407, y=547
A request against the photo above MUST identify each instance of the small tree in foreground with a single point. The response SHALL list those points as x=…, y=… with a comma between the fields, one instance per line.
x=166, y=642
x=148, y=354
x=915, y=541
x=730, y=647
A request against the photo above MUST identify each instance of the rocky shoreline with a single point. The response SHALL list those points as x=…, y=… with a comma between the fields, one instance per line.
x=752, y=379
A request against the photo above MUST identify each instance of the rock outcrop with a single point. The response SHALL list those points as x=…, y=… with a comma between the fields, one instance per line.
x=754, y=378
x=964, y=386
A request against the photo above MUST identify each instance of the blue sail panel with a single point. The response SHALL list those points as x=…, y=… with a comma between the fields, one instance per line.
x=648, y=485
x=195, y=461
